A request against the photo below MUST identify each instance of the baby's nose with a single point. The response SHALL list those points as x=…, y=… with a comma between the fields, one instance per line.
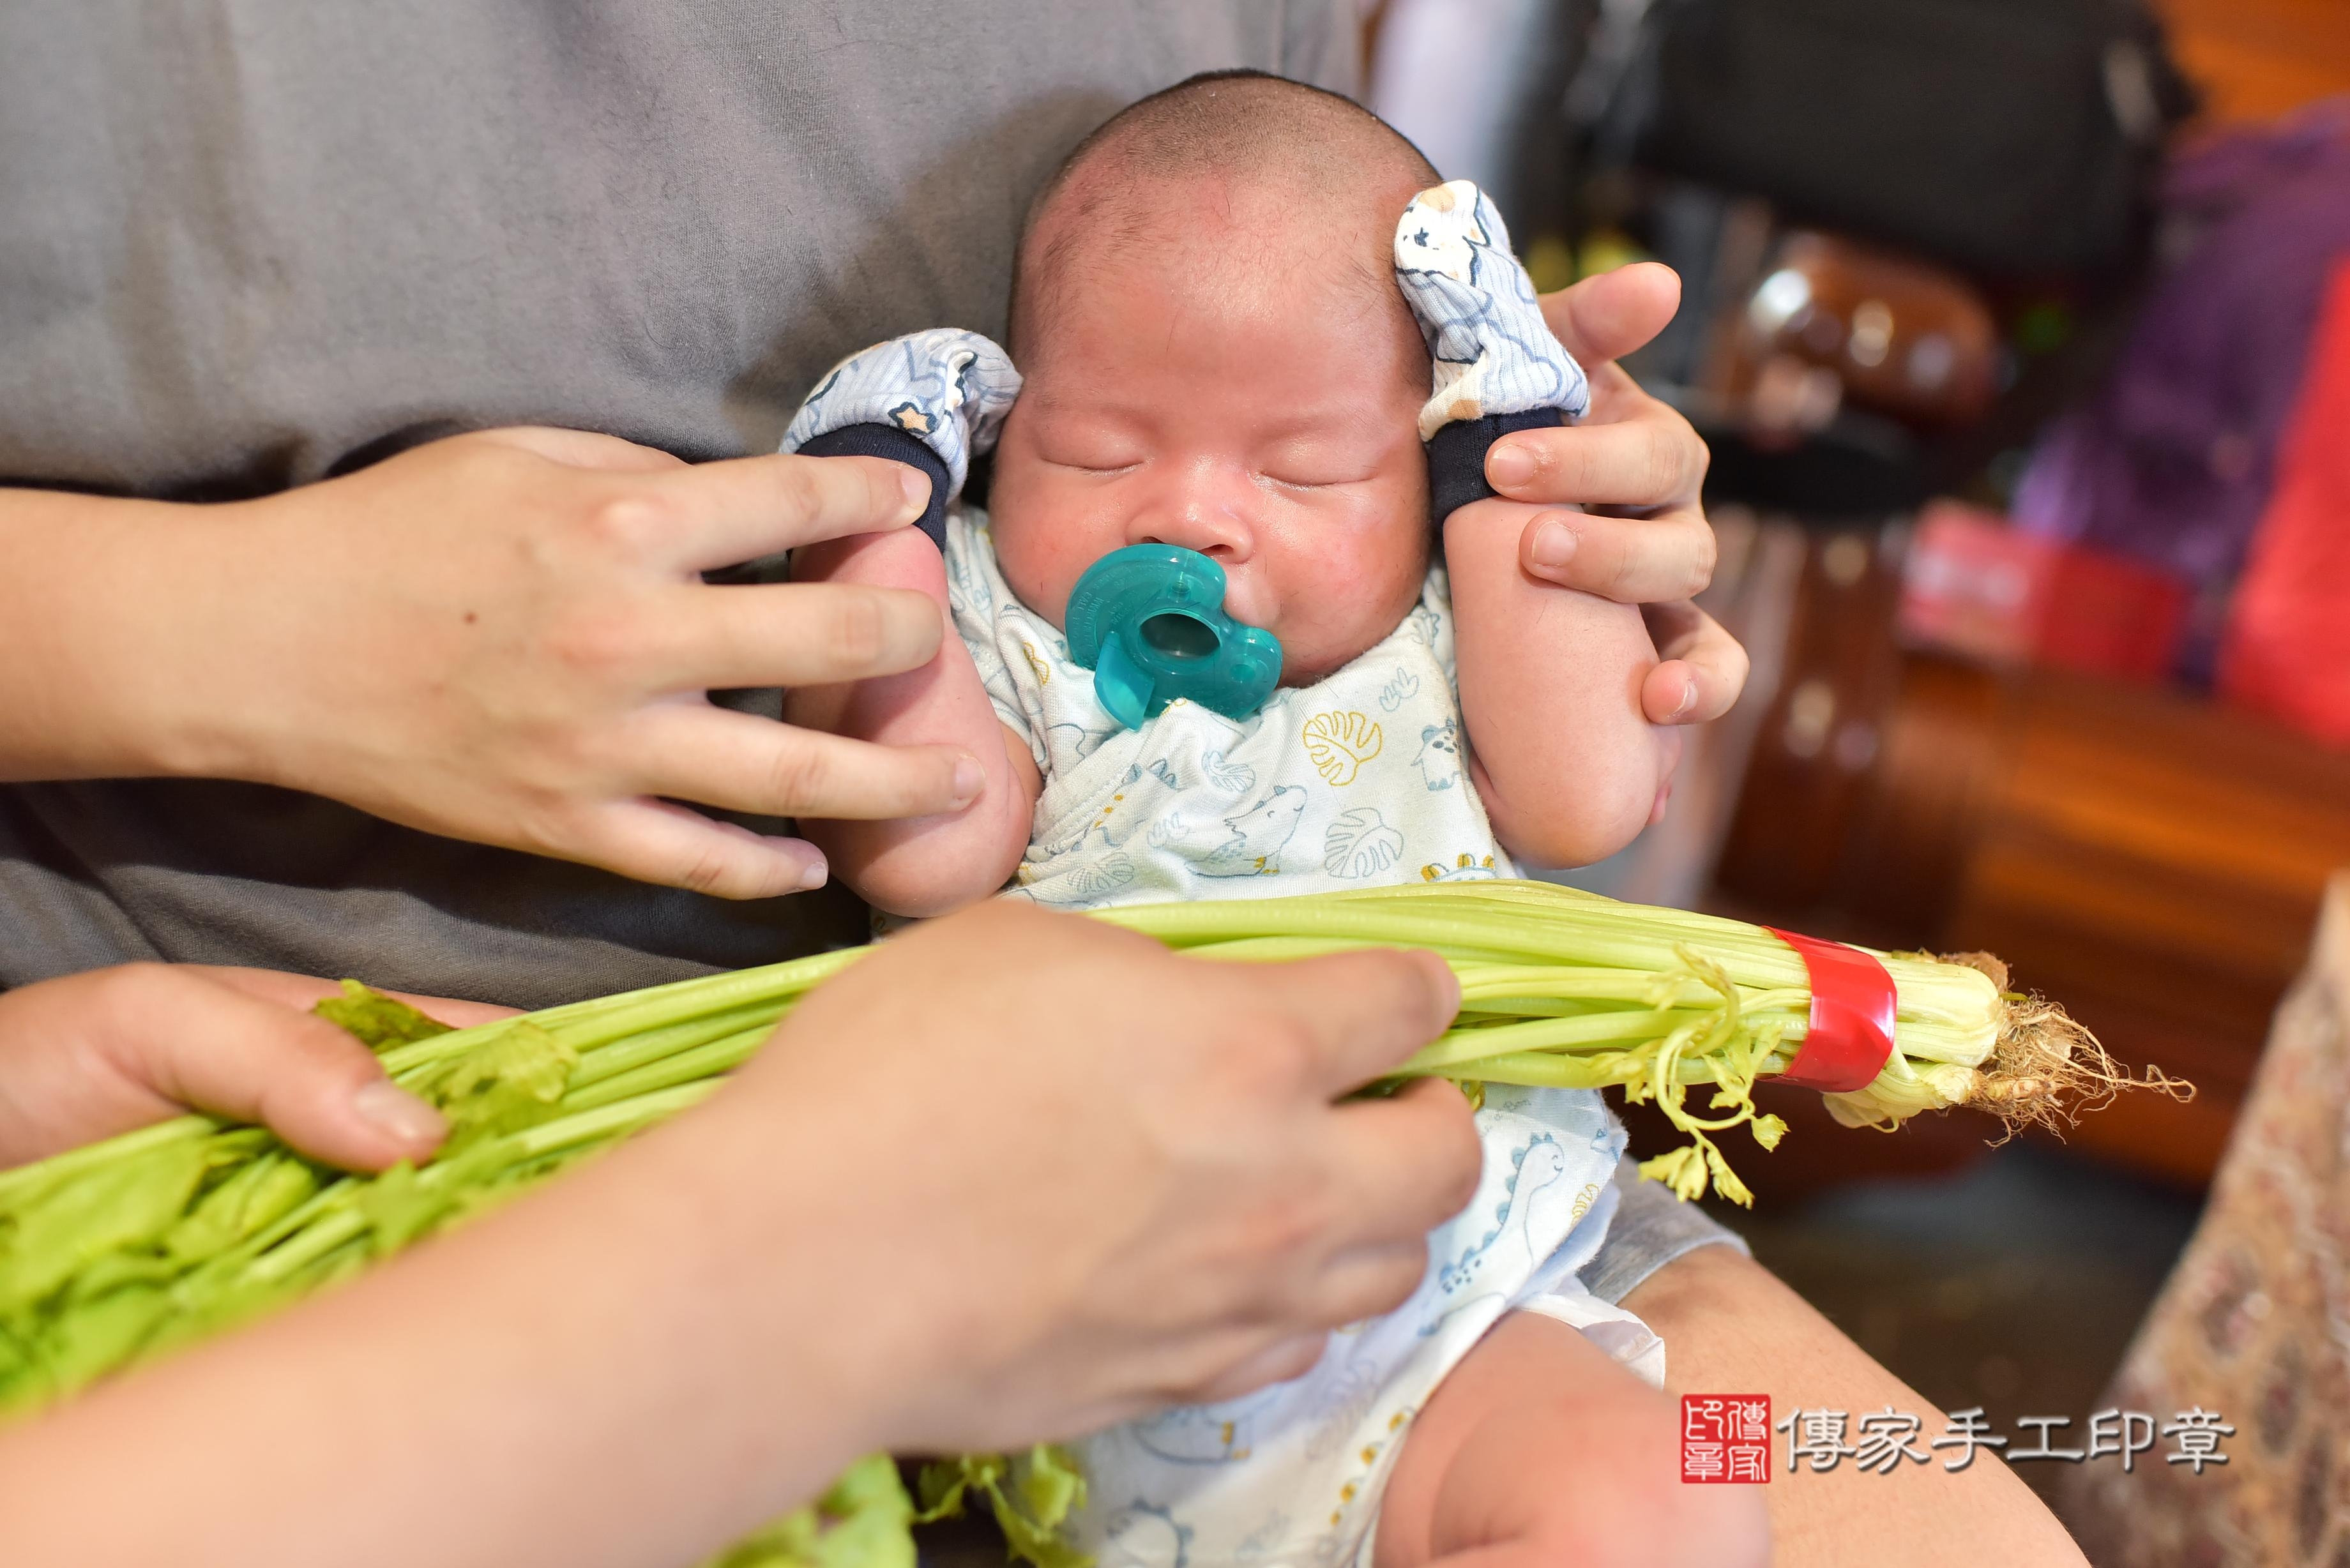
x=1203, y=512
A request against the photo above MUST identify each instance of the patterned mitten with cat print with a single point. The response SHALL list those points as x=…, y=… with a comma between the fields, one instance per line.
x=1498, y=369
x=931, y=399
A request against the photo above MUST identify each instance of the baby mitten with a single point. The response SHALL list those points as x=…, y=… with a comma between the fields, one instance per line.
x=1498, y=369
x=932, y=399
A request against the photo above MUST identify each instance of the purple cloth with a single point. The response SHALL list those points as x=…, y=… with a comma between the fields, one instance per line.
x=2171, y=460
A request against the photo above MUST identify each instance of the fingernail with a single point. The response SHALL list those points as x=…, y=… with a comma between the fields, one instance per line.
x=916, y=485
x=970, y=778
x=815, y=876
x=396, y=1111
x=1553, y=545
x=1689, y=699
x=1509, y=464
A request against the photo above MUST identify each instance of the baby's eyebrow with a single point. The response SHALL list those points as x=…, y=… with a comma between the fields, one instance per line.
x=1350, y=420
x=1062, y=404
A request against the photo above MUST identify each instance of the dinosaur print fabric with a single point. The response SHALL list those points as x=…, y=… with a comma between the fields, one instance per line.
x=1352, y=781
x=1291, y=1474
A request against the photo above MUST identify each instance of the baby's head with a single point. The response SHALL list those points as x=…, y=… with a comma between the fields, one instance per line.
x=1217, y=357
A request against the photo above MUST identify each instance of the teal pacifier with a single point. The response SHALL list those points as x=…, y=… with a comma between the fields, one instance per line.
x=1149, y=622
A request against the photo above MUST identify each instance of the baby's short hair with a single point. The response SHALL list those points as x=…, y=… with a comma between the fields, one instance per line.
x=1242, y=126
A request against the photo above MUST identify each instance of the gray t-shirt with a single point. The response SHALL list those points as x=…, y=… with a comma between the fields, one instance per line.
x=243, y=245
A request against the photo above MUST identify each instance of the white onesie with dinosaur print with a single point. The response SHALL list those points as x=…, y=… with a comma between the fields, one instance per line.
x=1356, y=779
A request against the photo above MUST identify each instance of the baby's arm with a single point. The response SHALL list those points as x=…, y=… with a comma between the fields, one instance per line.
x=1550, y=679
x=929, y=399
x=1567, y=767
x=930, y=865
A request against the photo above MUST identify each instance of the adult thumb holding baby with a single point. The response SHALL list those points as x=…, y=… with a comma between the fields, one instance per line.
x=91, y=1056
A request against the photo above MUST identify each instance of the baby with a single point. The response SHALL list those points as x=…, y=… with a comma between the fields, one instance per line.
x=1224, y=343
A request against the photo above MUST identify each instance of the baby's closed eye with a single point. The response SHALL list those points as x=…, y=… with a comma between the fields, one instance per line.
x=1313, y=469
x=1318, y=463
x=1083, y=461
x=1301, y=478
x=1088, y=446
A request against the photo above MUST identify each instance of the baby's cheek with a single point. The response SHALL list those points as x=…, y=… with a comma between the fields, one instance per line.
x=1335, y=608
x=1042, y=560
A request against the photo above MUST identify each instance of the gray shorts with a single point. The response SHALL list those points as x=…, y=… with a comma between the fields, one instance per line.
x=1652, y=1227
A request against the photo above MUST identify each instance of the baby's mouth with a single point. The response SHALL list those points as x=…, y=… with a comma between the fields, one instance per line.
x=1246, y=601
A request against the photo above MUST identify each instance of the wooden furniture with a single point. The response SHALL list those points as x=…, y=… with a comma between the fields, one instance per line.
x=2253, y=59
x=2153, y=862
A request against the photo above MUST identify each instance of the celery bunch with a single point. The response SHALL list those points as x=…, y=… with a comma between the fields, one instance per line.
x=1566, y=989
x=121, y=1251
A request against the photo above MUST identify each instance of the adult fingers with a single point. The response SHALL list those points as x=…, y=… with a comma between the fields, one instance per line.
x=1704, y=668
x=742, y=763
x=656, y=841
x=206, y=1045
x=1632, y=560
x=302, y=991
x=793, y=634
x=717, y=513
x=1610, y=315
x=580, y=448
x=1405, y=1164
x=1652, y=457
x=1360, y=1283
x=1359, y=1013
x=1292, y=1356
x=1366, y=1282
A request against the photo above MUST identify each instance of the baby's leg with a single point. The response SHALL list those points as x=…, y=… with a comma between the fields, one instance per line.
x=1540, y=1451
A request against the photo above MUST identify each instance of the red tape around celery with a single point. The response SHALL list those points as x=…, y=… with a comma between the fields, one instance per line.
x=1851, y=1034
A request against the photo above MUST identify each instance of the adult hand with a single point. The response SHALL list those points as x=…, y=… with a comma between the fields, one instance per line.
x=94, y=1054
x=1117, y=1175
x=1633, y=455
x=502, y=637
x=1012, y=1177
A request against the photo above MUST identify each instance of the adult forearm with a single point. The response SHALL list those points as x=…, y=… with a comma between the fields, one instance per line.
x=103, y=641
x=613, y=1372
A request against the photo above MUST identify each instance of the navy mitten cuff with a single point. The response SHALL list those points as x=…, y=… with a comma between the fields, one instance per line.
x=897, y=446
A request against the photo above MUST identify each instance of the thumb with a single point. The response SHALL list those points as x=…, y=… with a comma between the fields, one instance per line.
x=222, y=1051
x=1611, y=314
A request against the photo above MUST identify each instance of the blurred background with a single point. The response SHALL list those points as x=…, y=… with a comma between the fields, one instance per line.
x=2020, y=330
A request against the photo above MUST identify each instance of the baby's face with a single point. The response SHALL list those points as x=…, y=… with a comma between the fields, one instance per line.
x=1260, y=412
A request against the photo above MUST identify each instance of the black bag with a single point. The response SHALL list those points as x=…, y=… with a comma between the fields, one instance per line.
x=2001, y=136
